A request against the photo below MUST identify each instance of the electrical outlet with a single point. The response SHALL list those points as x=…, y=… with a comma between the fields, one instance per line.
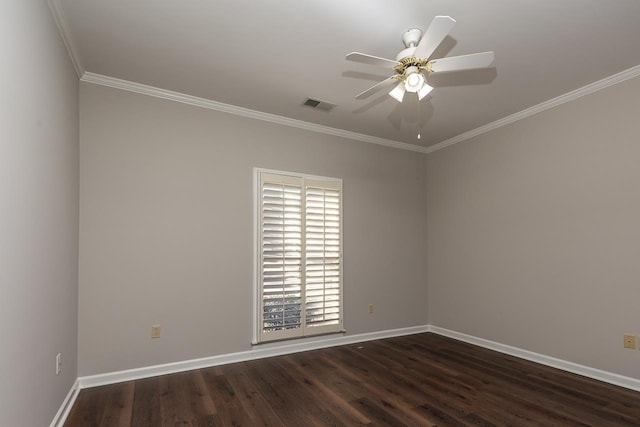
x=155, y=331
x=629, y=341
x=370, y=308
x=58, y=363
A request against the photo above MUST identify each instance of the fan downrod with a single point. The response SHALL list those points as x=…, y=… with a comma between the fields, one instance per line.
x=410, y=38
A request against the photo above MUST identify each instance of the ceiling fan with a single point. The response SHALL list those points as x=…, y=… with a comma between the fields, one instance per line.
x=412, y=64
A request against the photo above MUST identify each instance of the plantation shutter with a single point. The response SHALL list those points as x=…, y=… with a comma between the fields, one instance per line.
x=281, y=247
x=300, y=250
x=322, y=255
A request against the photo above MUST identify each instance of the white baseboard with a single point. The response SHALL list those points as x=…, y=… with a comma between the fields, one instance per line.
x=67, y=404
x=597, y=374
x=258, y=352
x=289, y=347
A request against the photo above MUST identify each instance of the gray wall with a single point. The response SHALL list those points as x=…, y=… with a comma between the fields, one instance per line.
x=166, y=220
x=534, y=236
x=38, y=215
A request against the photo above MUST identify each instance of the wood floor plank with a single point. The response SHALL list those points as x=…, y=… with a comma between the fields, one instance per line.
x=229, y=409
x=88, y=407
x=377, y=412
x=307, y=393
x=313, y=381
x=561, y=391
x=146, y=403
x=419, y=386
x=258, y=410
x=184, y=400
x=391, y=392
x=416, y=380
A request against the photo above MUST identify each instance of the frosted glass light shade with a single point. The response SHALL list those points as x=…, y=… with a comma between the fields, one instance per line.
x=414, y=82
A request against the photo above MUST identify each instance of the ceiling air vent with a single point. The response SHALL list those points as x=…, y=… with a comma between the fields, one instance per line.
x=318, y=105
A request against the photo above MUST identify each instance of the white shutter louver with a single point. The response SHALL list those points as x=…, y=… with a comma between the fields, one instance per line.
x=300, y=249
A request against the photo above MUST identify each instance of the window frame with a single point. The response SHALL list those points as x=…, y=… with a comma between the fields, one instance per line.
x=259, y=336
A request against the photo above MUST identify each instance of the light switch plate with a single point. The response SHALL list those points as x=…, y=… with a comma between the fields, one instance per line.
x=155, y=331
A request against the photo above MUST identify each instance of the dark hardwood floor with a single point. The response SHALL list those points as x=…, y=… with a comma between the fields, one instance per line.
x=416, y=380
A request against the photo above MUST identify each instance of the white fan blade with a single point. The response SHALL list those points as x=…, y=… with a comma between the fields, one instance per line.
x=437, y=31
x=383, y=84
x=463, y=62
x=397, y=92
x=371, y=60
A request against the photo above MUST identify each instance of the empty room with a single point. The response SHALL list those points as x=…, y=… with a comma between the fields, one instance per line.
x=320, y=213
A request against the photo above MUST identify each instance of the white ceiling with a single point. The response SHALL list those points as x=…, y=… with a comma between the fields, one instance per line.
x=270, y=55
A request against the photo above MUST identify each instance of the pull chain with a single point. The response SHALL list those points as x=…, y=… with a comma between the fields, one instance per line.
x=418, y=119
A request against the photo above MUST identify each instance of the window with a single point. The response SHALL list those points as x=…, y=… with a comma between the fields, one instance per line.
x=299, y=256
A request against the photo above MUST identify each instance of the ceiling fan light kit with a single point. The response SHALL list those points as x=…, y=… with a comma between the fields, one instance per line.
x=414, y=79
x=414, y=82
x=424, y=91
x=398, y=92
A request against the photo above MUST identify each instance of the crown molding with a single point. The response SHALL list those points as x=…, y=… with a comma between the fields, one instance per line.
x=241, y=111
x=273, y=118
x=245, y=112
x=65, y=33
x=562, y=99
